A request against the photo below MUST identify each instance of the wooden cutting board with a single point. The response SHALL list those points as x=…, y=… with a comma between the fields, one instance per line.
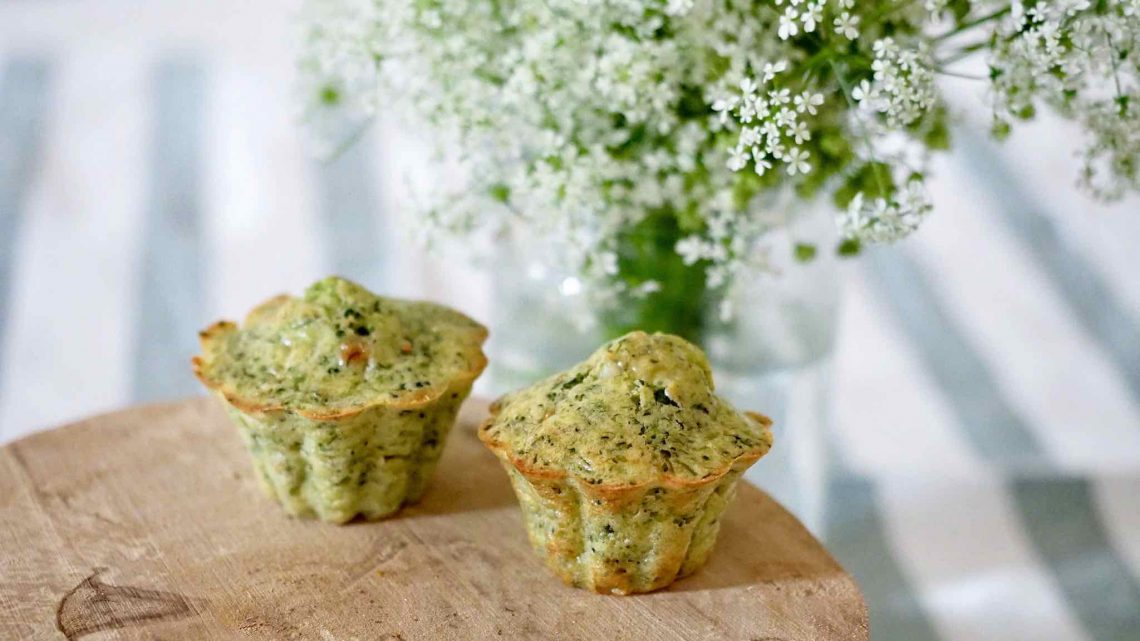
x=147, y=524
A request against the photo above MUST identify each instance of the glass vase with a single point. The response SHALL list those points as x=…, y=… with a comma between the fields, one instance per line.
x=773, y=355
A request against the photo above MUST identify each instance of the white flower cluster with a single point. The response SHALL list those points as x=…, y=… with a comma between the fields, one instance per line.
x=1081, y=58
x=725, y=236
x=883, y=220
x=770, y=123
x=338, y=75
x=799, y=15
x=583, y=119
x=902, y=88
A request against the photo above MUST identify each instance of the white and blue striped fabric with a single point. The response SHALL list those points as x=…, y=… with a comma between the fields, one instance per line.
x=987, y=379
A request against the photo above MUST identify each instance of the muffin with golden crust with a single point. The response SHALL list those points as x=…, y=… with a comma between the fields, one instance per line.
x=344, y=398
x=624, y=463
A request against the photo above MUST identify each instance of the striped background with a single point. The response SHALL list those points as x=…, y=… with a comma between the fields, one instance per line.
x=987, y=375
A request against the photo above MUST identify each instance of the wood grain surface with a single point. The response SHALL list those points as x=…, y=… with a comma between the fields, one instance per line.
x=147, y=524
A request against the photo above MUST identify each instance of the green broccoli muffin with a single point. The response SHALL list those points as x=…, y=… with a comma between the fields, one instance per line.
x=344, y=398
x=624, y=463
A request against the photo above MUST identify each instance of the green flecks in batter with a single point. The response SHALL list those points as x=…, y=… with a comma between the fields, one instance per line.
x=641, y=406
x=340, y=346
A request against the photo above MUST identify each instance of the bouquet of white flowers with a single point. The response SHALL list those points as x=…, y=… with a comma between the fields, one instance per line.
x=644, y=132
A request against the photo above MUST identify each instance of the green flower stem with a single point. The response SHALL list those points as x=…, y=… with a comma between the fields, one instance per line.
x=976, y=22
x=962, y=53
x=647, y=252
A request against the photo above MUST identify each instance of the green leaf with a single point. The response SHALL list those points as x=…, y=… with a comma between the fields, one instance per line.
x=330, y=96
x=689, y=219
x=500, y=192
x=849, y=247
x=938, y=136
x=805, y=252
x=960, y=9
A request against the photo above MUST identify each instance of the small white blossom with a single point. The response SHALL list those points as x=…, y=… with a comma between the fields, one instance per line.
x=798, y=162
x=725, y=310
x=847, y=25
x=812, y=15
x=690, y=248
x=724, y=107
x=808, y=102
x=738, y=159
x=935, y=7
x=800, y=133
x=780, y=96
x=771, y=70
x=678, y=7
x=608, y=262
x=788, y=25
